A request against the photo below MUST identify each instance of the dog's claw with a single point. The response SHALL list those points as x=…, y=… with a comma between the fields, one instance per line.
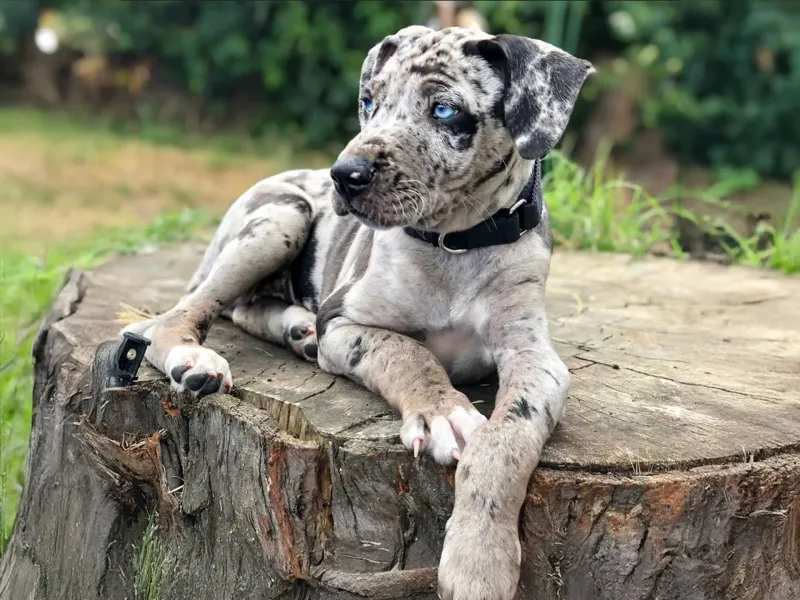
x=417, y=446
x=456, y=455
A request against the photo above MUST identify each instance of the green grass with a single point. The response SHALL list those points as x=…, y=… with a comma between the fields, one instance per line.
x=769, y=246
x=28, y=286
x=594, y=211
x=152, y=563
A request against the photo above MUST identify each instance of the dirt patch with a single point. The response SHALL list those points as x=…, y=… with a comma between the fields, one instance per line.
x=53, y=189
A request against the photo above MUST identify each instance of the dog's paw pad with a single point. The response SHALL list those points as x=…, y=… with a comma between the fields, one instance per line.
x=302, y=341
x=311, y=350
x=178, y=372
x=298, y=332
x=197, y=370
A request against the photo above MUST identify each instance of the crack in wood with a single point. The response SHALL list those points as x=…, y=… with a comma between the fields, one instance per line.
x=678, y=381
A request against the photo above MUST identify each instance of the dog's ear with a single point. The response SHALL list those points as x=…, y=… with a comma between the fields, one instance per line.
x=541, y=84
x=380, y=54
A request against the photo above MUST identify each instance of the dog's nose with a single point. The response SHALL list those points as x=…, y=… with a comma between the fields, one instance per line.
x=352, y=176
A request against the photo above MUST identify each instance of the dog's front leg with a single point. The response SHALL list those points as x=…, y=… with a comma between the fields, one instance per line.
x=437, y=418
x=481, y=556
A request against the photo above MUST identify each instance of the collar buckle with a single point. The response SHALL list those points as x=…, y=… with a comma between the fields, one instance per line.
x=450, y=250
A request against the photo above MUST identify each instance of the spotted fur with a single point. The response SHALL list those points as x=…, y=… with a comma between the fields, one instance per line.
x=333, y=276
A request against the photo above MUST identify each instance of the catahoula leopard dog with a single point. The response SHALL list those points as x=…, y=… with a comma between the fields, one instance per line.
x=417, y=262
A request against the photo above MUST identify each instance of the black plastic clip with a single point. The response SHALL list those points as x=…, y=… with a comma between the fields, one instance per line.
x=117, y=363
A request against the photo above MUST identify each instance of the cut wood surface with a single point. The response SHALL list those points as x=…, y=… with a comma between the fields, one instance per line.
x=674, y=474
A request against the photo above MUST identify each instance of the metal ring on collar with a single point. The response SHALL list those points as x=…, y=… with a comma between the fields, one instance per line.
x=519, y=203
x=450, y=250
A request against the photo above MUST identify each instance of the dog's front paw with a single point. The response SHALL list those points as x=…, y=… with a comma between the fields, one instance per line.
x=481, y=559
x=441, y=429
x=198, y=370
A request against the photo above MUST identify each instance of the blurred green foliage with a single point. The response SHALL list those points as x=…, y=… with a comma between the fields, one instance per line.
x=724, y=78
x=723, y=75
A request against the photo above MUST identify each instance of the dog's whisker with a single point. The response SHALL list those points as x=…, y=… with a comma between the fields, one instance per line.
x=423, y=199
x=418, y=213
x=480, y=205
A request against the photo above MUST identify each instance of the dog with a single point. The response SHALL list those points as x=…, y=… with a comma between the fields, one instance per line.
x=417, y=262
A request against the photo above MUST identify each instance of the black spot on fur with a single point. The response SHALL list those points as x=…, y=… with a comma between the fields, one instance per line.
x=462, y=128
x=522, y=409
x=357, y=352
x=476, y=83
x=256, y=201
x=203, y=325
x=251, y=228
x=177, y=373
x=381, y=161
x=548, y=415
x=528, y=280
x=311, y=350
x=298, y=202
x=498, y=112
x=287, y=243
x=432, y=68
x=488, y=504
x=463, y=123
x=465, y=472
x=386, y=51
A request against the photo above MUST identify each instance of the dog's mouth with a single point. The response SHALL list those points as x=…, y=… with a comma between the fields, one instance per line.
x=364, y=210
x=368, y=219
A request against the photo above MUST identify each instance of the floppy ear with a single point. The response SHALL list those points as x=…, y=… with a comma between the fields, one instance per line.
x=541, y=85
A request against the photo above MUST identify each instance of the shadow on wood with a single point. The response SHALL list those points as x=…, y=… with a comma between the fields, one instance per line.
x=674, y=475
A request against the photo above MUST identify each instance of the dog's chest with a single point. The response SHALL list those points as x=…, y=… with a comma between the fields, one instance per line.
x=441, y=312
x=462, y=352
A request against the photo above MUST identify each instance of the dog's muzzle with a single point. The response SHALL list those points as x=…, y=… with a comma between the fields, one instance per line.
x=352, y=177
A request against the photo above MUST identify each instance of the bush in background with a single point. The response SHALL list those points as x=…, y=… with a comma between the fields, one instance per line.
x=724, y=77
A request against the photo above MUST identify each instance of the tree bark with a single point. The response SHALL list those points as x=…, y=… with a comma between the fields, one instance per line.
x=296, y=486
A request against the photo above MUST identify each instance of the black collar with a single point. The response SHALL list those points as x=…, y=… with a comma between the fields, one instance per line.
x=506, y=226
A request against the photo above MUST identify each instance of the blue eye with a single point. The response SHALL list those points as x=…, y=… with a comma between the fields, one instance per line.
x=442, y=111
x=367, y=105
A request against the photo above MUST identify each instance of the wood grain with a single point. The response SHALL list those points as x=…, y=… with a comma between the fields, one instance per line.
x=674, y=476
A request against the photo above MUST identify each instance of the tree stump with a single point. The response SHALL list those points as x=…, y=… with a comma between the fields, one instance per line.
x=674, y=475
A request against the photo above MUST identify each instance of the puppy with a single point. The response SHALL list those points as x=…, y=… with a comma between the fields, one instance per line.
x=417, y=262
